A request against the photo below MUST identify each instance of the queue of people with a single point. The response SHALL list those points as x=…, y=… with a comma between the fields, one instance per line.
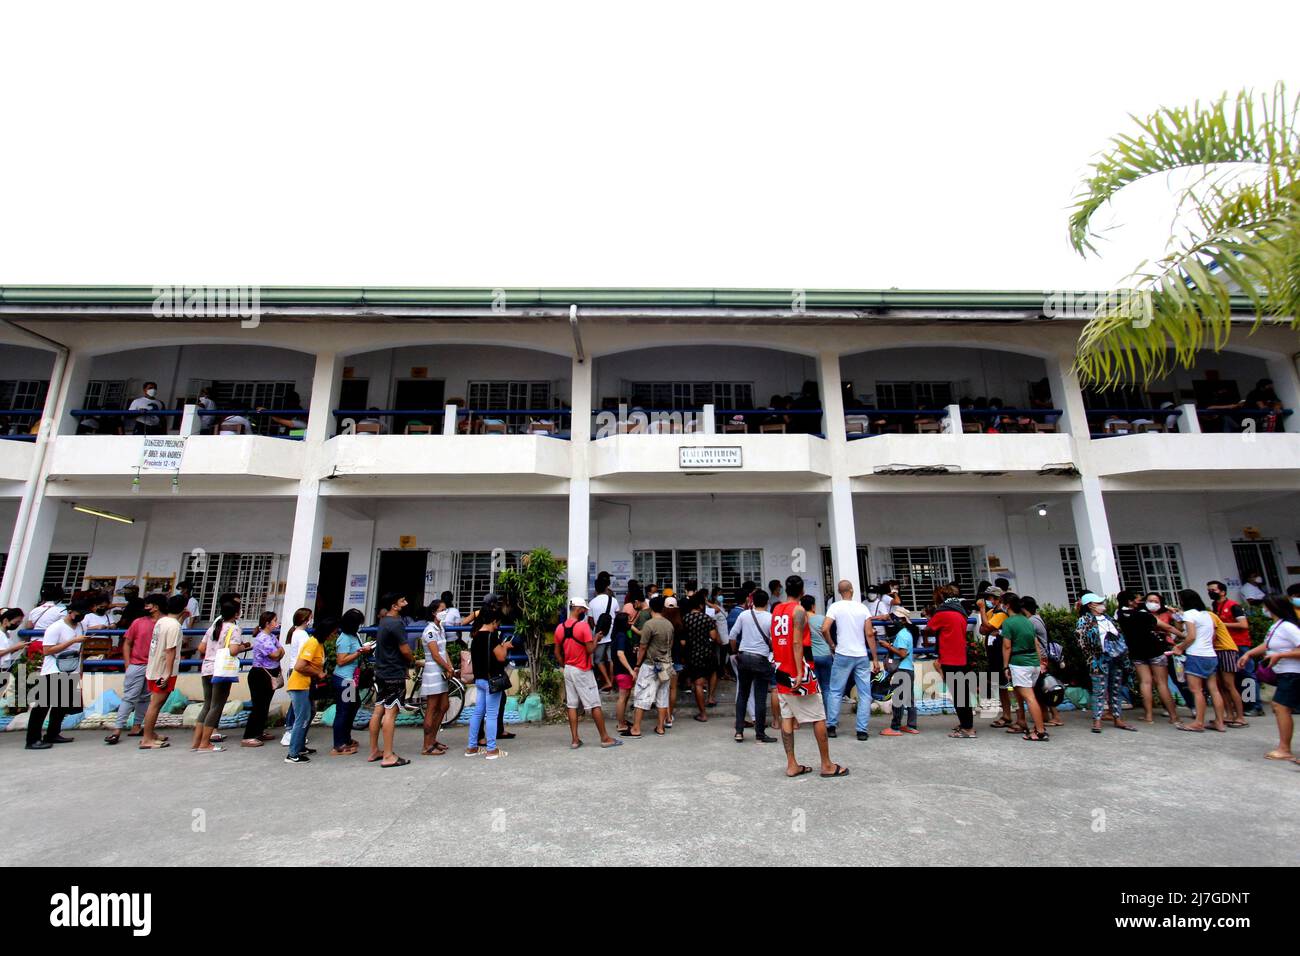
x=791, y=664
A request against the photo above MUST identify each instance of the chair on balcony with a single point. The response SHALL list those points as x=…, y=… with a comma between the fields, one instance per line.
x=972, y=428
x=1043, y=428
x=233, y=425
x=855, y=424
x=928, y=428
x=368, y=428
x=773, y=428
x=1142, y=427
x=735, y=425
x=417, y=428
x=493, y=426
x=1117, y=426
x=540, y=426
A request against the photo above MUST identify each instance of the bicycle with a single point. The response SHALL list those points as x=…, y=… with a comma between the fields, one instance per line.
x=416, y=702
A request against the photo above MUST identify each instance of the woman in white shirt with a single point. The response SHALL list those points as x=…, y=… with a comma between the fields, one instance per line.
x=1201, y=662
x=1280, y=650
x=293, y=640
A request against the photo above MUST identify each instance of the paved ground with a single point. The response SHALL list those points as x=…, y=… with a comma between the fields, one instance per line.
x=695, y=797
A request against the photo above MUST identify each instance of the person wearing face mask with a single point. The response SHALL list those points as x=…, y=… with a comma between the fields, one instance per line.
x=148, y=424
x=1106, y=652
x=878, y=603
x=1147, y=638
x=1280, y=652
x=60, y=680
x=1252, y=592
x=1201, y=663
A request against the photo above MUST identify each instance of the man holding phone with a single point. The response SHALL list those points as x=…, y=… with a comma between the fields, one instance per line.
x=393, y=657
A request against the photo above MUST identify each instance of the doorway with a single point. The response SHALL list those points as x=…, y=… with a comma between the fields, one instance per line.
x=403, y=572
x=421, y=394
x=331, y=582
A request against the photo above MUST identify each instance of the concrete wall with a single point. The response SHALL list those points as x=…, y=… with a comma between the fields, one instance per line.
x=771, y=372
x=973, y=372
x=457, y=366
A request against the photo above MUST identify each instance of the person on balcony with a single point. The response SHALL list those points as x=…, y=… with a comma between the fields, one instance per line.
x=148, y=424
x=293, y=420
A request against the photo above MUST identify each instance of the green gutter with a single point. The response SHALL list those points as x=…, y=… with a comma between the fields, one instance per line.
x=360, y=297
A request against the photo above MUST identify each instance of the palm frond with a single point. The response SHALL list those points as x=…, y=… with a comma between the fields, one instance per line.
x=1242, y=235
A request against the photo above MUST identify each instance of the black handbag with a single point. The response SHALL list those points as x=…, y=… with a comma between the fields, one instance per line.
x=498, y=683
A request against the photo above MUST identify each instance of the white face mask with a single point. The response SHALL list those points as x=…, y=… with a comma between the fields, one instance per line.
x=151, y=392
x=872, y=595
x=1152, y=606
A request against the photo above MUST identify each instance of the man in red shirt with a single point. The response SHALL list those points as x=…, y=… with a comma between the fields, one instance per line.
x=1234, y=619
x=799, y=697
x=949, y=622
x=574, y=644
x=135, y=658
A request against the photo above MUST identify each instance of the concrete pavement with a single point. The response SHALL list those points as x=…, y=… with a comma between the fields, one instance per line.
x=694, y=797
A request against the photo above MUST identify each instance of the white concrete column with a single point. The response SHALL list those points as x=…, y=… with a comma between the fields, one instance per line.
x=579, y=547
x=1189, y=422
x=839, y=505
x=1067, y=395
x=29, y=548
x=1092, y=531
x=449, y=420
x=309, y=512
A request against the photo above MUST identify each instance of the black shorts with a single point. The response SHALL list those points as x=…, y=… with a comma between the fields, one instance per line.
x=1288, y=692
x=390, y=693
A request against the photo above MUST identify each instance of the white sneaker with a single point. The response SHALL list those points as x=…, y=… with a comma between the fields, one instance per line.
x=284, y=741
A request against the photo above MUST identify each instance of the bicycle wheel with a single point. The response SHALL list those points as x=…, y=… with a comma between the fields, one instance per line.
x=455, y=702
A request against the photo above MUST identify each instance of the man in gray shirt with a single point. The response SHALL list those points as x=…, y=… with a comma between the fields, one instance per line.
x=751, y=638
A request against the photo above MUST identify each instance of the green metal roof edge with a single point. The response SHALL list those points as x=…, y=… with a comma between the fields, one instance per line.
x=111, y=295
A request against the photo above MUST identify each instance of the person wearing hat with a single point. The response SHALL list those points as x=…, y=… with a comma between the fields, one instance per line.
x=575, y=646
x=1106, y=652
x=899, y=641
x=992, y=615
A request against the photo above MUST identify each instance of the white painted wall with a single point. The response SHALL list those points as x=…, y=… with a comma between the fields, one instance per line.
x=974, y=372
x=173, y=367
x=770, y=371
x=20, y=362
x=456, y=366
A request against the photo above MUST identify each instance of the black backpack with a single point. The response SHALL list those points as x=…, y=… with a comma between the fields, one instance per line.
x=606, y=621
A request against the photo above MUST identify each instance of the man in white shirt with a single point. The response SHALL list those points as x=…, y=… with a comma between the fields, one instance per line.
x=879, y=604
x=854, y=638
x=1252, y=592
x=751, y=640
x=52, y=608
x=602, y=603
x=59, y=689
x=147, y=402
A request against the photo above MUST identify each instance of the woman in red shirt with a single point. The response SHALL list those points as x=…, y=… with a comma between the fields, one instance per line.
x=948, y=623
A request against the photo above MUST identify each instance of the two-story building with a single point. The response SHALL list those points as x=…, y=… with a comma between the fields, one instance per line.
x=348, y=442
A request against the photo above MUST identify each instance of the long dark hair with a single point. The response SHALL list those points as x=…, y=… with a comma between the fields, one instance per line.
x=1281, y=608
x=300, y=619
x=1189, y=600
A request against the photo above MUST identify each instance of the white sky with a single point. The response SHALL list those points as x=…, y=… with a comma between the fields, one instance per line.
x=797, y=145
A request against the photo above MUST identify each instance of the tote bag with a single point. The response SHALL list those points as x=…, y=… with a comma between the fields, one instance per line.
x=225, y=668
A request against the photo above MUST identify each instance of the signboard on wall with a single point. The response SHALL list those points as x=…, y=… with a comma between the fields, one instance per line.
x=162, y=453
x=406, y=541
x=709, y=456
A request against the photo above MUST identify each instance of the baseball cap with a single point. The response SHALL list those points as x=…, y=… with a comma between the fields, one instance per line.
x=670, y=601
x=1091, y=598
x=578, y=602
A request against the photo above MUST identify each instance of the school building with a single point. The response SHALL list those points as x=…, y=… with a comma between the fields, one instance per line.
x=331, y=444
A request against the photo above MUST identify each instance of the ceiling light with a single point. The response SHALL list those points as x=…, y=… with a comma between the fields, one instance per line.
x=111, y=516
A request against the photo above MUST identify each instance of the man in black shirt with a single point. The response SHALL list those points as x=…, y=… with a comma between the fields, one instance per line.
x=392, y=659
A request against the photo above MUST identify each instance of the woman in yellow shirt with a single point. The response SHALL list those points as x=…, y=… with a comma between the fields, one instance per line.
x=310, y=666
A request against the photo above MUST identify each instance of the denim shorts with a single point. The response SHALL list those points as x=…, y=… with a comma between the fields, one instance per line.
x=1203, y=667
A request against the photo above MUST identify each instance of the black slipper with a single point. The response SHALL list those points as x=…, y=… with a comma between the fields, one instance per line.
x=400, y=762
x=802, y=770
x=839, y=772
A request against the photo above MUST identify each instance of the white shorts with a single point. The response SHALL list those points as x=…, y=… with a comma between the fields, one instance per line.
x=805, y=708
x=1024, y=676
x=580, y=689
x=649, y=691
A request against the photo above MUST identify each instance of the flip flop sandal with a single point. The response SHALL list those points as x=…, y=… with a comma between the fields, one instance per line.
x=575, y=745
x=1217, y=730
x=1190, y=730
x=1126, y=727
x=839, y=772
x=499, y=753
x=802, y=770
x=399, y=762
x=113, y=739
x=1274, y=755
x=658, y=733
x=1035, y=738
x=739, y=738
x=1237, y=723
x=1015, y=730
x=1000, y=723
x=615, y=742
x=158, y=746
x=959, y=735
x=703, y=720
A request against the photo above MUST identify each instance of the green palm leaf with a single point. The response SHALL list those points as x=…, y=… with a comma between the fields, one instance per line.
x=1240, y=234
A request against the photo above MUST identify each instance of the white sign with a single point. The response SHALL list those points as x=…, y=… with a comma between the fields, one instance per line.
x=700, y=456
x=162, y=454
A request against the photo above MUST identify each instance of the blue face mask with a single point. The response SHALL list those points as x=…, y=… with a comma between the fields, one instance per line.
x=1296, y=601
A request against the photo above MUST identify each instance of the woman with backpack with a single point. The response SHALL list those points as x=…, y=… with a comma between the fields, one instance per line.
x=1051, y=651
